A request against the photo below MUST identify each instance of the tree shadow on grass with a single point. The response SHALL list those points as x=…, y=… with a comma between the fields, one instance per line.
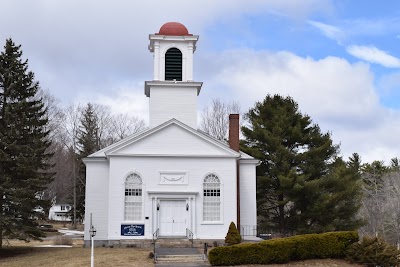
x=9, y=252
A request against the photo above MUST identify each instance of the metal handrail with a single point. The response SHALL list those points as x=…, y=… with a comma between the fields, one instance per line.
x=189, y=235
x=155, y=237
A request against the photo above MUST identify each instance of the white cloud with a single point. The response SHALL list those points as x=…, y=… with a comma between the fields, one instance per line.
x=329, y=31
x=374, y=55
x=339, y=96
x=126, y=99
x=351, y=28
x=74, y=45
x=96, y=51
x=372, y=27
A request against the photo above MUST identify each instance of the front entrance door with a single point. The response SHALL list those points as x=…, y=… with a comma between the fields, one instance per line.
x=173, y=218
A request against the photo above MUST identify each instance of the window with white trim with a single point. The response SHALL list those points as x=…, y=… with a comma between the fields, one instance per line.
x=211, y=198
x=133, y=198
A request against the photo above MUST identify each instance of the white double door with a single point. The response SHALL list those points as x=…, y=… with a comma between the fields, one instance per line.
x=173, y=218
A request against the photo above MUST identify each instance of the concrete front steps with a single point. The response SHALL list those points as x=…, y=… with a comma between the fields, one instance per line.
x=186, y=243
x=173, y=243
x=179, y=255
x=180, y=258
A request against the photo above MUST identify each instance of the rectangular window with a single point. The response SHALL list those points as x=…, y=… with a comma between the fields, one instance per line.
x=133, y=192
x=211, y=205
x=62, y=207
x=133, y=206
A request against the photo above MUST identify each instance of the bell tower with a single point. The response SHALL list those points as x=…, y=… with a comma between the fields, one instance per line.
x=173, y=93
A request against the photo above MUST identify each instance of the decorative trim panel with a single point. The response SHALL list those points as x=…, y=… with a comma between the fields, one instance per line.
x=174, y=177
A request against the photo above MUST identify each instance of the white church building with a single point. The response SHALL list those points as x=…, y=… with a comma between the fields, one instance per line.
x=170, y=179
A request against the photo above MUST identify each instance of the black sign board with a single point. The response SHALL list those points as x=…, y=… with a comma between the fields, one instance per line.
x=132, y=229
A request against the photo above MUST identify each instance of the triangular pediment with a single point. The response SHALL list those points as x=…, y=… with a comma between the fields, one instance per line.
x=172, y=138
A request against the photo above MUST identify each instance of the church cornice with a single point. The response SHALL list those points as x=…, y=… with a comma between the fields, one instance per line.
x=174, y=84
x=157, y=38
x=172, y=155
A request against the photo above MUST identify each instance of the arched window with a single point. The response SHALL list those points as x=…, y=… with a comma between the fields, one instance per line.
x=173, y=64
x=212, y=198
x=133, y=198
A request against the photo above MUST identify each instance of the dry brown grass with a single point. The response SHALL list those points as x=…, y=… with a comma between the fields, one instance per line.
x=18, y=243
x=63, y=240
x=310, y=263
x=19, y=253
x=71, y=257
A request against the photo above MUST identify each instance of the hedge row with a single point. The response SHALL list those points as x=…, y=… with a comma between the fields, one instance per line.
x=282, y=250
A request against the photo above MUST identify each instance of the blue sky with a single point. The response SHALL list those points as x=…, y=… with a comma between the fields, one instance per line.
x=349, y=24
x=340, y=60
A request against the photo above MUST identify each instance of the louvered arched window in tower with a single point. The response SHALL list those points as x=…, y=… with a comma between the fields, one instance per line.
x=133, y=198
x=173, y=64
x=211, y=198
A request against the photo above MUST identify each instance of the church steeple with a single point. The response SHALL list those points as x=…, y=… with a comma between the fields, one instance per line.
x=173, y=93
x=173, y=47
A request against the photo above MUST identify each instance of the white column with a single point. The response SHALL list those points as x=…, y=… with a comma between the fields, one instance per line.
x=156, y=61
x=153, y=228
x=194, y=217
x=189, y=63
x=161, y=67
x=184, y=72
x=157, y=213
x=190, y=225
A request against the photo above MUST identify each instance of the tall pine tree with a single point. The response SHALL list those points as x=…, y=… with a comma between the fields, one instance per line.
x=294, y=180
x=23, y=145
x=88, y=143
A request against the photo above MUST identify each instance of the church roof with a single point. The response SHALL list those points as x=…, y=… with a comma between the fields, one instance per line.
x=114, y=148
x=173, y=29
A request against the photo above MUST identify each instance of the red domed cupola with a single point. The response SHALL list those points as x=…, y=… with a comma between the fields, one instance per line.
x=174, y=29
x=172, y=93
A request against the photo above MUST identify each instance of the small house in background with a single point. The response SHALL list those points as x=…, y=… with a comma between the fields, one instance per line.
x=60, y=212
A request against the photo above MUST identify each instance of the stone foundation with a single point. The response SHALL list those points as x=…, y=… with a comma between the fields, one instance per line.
x=147, y=243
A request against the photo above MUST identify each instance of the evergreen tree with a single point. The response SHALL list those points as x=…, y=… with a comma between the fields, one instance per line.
x=294, y=175
x=394, y=165
x=233, y=236
x=88, y=143
x=337, y=202
x=23, y=145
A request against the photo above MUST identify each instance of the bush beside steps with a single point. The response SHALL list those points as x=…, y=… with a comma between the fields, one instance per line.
x=282, y=250
x=233, y=236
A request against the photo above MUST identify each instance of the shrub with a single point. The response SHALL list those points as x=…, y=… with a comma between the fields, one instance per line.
x=281, y=250
x=233, y=236
x=372, y=251
x=63, y=240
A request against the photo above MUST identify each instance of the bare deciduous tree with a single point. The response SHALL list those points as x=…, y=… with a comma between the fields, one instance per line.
x=381, y=202
x=64, y=126
x=215, y=118
x=54, y=112
x=123, y=125
x=391, y=207
x=372, y=204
